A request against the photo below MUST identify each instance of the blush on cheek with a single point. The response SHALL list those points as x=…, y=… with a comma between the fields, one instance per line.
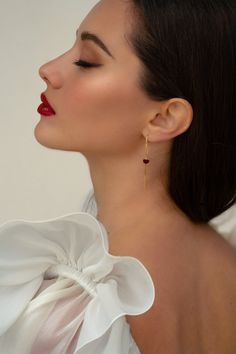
x=100, y=115
x=110, y=117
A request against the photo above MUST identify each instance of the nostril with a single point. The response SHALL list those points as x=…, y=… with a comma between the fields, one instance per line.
x=43, y=77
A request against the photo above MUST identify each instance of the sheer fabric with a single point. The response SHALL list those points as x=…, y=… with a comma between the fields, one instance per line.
x=61, y=292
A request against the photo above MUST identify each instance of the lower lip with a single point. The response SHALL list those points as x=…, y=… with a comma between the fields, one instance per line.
x=45, y=110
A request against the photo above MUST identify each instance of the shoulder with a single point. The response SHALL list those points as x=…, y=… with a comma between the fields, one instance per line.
x=218, y=255
x=218, y=291
x=200, y=271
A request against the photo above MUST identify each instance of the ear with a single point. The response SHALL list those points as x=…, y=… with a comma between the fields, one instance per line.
x=174, y=118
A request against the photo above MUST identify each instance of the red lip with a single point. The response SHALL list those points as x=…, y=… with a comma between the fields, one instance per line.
x=45, y=108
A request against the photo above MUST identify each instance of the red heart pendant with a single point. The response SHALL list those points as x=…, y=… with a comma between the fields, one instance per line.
x=146, y=161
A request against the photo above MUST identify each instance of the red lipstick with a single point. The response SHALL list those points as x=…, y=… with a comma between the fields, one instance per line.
x=45, y=109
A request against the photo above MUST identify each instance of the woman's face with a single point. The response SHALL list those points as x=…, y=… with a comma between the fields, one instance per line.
x=99, y=109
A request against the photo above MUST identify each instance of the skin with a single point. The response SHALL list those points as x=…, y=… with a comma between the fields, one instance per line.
x=103, y=114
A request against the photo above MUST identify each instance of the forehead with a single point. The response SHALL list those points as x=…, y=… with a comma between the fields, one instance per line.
x=110, y=20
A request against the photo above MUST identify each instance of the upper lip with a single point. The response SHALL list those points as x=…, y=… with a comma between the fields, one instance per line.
x=45, y=101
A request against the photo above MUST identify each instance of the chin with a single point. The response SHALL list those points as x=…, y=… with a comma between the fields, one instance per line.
x=45, y=139
x=53, y=138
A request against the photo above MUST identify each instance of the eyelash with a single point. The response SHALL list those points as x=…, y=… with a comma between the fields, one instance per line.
x=85, y=64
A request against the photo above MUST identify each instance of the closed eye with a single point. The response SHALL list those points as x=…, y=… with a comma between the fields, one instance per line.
x=85, y=64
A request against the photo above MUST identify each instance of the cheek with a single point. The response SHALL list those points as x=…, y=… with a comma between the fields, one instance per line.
x=105, y=110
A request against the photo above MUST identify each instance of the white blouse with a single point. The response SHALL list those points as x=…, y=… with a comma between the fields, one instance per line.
x=61, y=292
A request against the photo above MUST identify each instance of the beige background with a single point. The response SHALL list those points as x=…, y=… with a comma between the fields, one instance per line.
x=36, y=182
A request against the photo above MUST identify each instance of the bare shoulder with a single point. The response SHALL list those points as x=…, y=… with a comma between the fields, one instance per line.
x=195, y=285
x=218, y=293
x=217, y=253
x=219, y=268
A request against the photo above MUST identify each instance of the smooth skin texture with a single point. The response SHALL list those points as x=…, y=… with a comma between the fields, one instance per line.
x=102, y=113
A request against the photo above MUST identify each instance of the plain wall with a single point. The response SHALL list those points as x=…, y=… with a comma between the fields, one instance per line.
x=35, y=182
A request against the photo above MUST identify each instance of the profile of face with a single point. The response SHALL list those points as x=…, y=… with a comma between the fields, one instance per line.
x=100, y=109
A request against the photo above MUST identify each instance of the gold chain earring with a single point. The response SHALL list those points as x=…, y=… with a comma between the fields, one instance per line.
x=146, y=161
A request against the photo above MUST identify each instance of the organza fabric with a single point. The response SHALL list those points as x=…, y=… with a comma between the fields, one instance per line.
x=61, y=292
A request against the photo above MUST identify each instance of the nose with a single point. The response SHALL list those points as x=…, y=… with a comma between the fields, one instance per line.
x=51, y=73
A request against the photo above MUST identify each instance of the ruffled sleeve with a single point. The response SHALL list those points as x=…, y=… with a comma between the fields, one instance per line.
x=95, y=287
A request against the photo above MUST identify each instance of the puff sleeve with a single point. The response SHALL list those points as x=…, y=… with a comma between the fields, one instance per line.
x=82, y=310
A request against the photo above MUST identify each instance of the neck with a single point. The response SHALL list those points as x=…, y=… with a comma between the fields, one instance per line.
x=124, y=204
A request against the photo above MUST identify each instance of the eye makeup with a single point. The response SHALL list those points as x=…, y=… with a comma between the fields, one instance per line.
x=85, y=65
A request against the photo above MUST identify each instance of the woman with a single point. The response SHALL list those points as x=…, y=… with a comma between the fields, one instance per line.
x=147, y=94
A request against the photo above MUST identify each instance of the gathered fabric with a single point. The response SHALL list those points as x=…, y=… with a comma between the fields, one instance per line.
x=62, y=292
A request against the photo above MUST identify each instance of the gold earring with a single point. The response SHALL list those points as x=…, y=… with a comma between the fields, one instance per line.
x=146, y=161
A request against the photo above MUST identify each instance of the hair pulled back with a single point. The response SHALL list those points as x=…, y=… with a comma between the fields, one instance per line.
x=188, y=50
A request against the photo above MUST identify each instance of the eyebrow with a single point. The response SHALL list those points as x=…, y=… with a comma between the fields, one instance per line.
x=88, y=36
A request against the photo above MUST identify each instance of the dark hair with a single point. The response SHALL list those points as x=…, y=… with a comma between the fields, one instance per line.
x=188, y=48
